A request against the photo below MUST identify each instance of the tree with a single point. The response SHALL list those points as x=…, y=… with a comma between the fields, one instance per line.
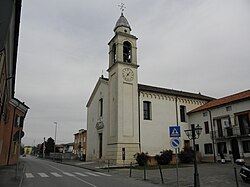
x=49, y=146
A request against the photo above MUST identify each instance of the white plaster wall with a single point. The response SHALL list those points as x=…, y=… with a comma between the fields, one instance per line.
x=93, y=118
x=155, y=135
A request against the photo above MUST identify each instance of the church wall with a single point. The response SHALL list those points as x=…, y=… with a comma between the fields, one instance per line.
x=155, y=132
x=97, y=124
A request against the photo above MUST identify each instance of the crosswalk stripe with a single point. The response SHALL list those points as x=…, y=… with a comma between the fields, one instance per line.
x=56, y=174
x=69, y=174
x=43, y=175
x=92, y=174
x=104, y=174
x=29, y=175
x=81, y=174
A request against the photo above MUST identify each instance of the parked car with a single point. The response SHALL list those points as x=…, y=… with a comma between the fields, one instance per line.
x=245, y=173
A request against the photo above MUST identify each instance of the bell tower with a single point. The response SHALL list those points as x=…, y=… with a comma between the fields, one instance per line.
x=123, y=128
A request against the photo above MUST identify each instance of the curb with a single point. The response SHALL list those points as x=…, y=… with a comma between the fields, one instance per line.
x=91, y=169
x=21, y=181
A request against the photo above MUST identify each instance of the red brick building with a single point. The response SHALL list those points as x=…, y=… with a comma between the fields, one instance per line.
x=12, y=111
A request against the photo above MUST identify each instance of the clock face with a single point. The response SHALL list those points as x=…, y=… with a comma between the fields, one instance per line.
x=127, y=74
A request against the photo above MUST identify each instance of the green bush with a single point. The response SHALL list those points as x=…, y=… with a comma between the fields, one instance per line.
x=141, y=158
x=165, y=157
x=187, y=155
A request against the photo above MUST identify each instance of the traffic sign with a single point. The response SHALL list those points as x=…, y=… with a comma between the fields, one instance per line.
x=174, y=131
x=175, y=143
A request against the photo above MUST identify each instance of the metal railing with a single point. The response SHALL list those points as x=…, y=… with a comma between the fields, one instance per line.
x=230, y=132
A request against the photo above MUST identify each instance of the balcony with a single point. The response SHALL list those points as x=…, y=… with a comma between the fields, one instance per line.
x=230, y=132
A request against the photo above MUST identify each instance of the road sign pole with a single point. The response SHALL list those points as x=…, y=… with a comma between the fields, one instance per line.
x=177, y=173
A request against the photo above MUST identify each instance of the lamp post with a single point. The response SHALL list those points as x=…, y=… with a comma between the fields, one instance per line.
x=192, y=134
x=55, y=141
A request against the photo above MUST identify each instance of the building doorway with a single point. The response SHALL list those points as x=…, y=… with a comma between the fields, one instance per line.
x=235, y=149
x=100, y=145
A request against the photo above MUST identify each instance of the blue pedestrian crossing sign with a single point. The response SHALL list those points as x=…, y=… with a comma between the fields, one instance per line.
x=174, y=131
x=175, y=143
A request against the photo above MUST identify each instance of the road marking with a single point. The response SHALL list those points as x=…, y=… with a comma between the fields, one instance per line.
x=29, y=175
x=81, y=174
x=74, y=176
x=56, y=174
x=104, y=174
x=92, y=174
x=69, y=174
x=43, y=175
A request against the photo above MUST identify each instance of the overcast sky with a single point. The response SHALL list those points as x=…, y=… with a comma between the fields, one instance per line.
x=195, y=45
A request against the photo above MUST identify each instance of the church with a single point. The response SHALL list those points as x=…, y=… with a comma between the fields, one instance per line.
x=125, y=117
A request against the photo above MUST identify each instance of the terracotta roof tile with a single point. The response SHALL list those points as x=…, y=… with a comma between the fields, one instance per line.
x=223, y=101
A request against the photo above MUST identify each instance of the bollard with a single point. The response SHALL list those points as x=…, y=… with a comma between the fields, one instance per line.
x=108, y=165
x=236, y=178
x=145, y=171
x=130, y=171
x=162, y=181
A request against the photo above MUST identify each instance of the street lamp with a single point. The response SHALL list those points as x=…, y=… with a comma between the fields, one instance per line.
x=55, y=141
x=192, y=134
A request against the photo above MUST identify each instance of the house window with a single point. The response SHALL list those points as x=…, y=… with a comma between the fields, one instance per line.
x=17, y=121
x=186, y=143
x=208, y=148
x=228, y=108
x=246, y=146
x=147, y=110
x=21, y=121
x=101, y=107
x=114, y=53
x=204, y=114
x=197, y=148
x=127, y=52
x=244, y=124
x=206, y=127
x=183, y=113
x=221, y=147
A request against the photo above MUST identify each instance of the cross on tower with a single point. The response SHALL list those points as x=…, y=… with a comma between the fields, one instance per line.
x=122, y=7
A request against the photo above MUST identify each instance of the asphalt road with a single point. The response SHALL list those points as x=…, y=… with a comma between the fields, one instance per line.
x=43, y=173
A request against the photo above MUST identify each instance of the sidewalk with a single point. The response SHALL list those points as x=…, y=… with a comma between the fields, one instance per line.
x=11, y=177
x=210, y=174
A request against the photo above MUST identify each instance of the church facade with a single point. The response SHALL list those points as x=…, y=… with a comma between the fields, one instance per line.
x=125, y=117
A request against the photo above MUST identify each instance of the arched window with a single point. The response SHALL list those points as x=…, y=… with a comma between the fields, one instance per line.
x=127, y=50
x=114, y=53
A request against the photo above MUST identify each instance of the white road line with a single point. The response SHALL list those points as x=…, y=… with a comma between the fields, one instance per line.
x=69, y=174
x=104, y=174
x=43, y=175
x=74, y=176
x=92, y=174
x=56, y=174
x=81, y=174
x=29, y=175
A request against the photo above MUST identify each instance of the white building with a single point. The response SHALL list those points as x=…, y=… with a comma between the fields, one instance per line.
x=226, y=127
x=124, y=117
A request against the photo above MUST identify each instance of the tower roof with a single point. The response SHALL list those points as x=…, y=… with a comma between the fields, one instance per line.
x=122, y=22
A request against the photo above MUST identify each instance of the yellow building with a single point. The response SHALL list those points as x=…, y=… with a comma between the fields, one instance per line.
x=27, y=150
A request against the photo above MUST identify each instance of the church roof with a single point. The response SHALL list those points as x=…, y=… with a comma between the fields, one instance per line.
x=223, y=101
x=122, y=22
x=142, y=87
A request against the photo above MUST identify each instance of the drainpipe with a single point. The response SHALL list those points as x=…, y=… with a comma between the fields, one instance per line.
x=176, y=111
x=139, y=121
x=212, y=134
